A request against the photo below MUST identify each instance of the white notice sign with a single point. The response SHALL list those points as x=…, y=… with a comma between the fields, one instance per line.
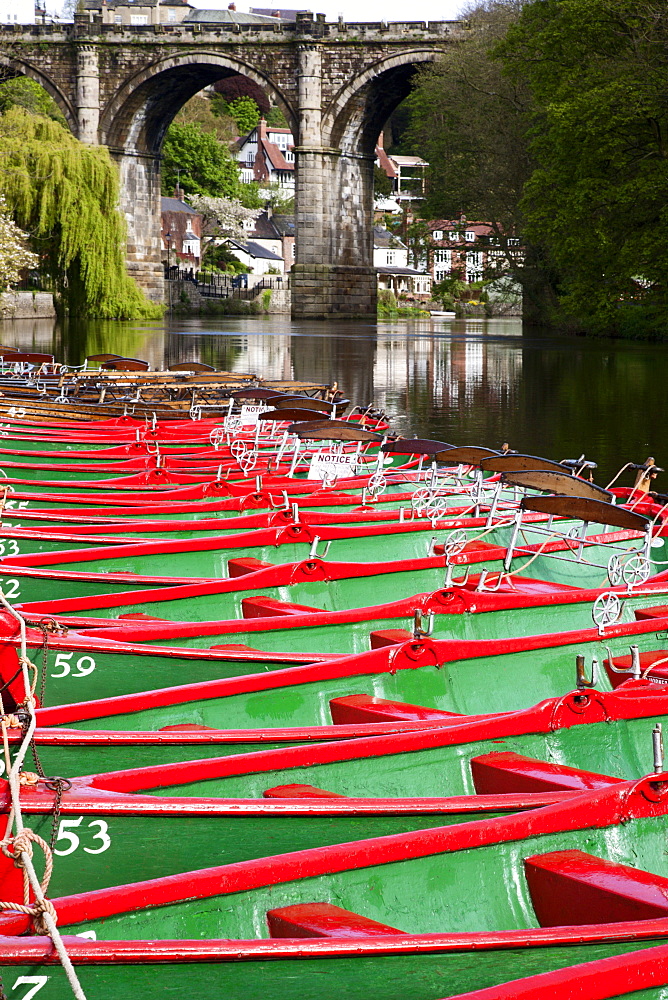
x=249, y=415
x=332, y=466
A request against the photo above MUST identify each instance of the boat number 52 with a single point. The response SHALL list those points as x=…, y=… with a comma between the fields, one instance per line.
x=66, y=833
x=34, y=982
x=85, y=665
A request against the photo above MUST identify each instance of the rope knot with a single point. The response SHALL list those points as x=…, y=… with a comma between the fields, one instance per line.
x=28, y=778
x=40, y=907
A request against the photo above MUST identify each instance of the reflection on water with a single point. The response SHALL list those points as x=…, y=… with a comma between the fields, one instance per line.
x=474, y=381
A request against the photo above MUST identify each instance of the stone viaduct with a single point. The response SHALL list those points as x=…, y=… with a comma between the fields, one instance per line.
x=336, y=83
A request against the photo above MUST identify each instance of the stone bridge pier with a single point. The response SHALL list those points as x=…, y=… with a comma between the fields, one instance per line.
x=337, y=84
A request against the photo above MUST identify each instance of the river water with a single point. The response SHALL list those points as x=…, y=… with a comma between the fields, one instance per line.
x=461, y=381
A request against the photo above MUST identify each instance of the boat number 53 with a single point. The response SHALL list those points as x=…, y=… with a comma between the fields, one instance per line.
x=66, y=833
x=85, y=665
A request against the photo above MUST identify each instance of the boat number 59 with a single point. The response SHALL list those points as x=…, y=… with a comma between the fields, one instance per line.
x=35, y=983
x=85, y=665
x=66, y=833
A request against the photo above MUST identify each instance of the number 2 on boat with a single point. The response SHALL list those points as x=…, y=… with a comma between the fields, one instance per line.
x=11, y=589
x=85, y=665
x=65, y=833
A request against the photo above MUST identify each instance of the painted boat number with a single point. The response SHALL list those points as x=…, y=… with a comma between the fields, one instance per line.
x=36, y=982
x=13, y=548
x=10, y=588
x=85, y=665
x=16, y=411
x=65, y=832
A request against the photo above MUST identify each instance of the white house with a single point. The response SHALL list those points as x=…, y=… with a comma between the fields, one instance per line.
x=267, y=156
x=390, y=258
x=17, y=11
x=259, y=259
x=407, y=173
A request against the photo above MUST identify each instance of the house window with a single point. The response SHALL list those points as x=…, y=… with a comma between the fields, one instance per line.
x=118, y=19
x=513, y=243
x=294, y=251
x=138, y=19
x=452, y=235
x=437, y=234
x=289, y=156
x=469, y=236
x=443, y=257
x=390, y=257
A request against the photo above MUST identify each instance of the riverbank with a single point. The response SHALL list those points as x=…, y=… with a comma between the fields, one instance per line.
x=26, y=305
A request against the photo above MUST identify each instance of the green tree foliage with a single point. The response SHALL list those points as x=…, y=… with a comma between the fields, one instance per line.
x=245, y=113
x=22, y=92
x=201, y=164
x=275, y=118
x=469, y=121
x=598, y=199
x=382, y=185
x=209, y=114
x=65, y=194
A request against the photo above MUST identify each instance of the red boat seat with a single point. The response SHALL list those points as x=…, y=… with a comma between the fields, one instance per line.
x=242, y=566
x=571, y=887
x=267, y=607
x=389, y=637
x=658, y=675
x=356, y=708
x=509, y=772
x=299, y=792
x=323, y=920
x=645, y=614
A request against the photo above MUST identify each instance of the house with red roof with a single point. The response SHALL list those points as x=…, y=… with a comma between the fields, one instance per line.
x=267, y=156
x=470, y=251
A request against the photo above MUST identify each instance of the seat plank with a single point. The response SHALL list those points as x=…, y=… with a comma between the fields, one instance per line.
x=323, y=920
x=571, y=887
x=507, y=771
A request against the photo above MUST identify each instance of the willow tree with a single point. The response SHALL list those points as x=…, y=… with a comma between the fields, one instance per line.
x=66, y=196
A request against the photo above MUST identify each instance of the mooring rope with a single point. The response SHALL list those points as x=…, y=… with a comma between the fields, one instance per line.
x=18, y=846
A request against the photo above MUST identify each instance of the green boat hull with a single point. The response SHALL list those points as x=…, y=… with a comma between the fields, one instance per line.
x=416, y=976
x=300, y=696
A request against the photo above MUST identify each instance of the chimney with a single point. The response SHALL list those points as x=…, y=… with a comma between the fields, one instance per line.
x=276, y=13
x=381, y=141
x=231, y=6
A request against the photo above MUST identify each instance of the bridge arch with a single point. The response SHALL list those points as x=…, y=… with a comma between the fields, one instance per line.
x=355, y=116
x=11, y=67
x=138, y=115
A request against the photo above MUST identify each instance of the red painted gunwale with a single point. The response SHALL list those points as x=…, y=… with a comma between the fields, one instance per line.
x=85, y=798
x=639, y=700
x=457, y=600
x=408, y=656
x=608, y=977
x=607, y=807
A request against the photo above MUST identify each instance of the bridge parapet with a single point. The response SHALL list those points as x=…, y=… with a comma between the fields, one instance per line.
x=344, y=31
